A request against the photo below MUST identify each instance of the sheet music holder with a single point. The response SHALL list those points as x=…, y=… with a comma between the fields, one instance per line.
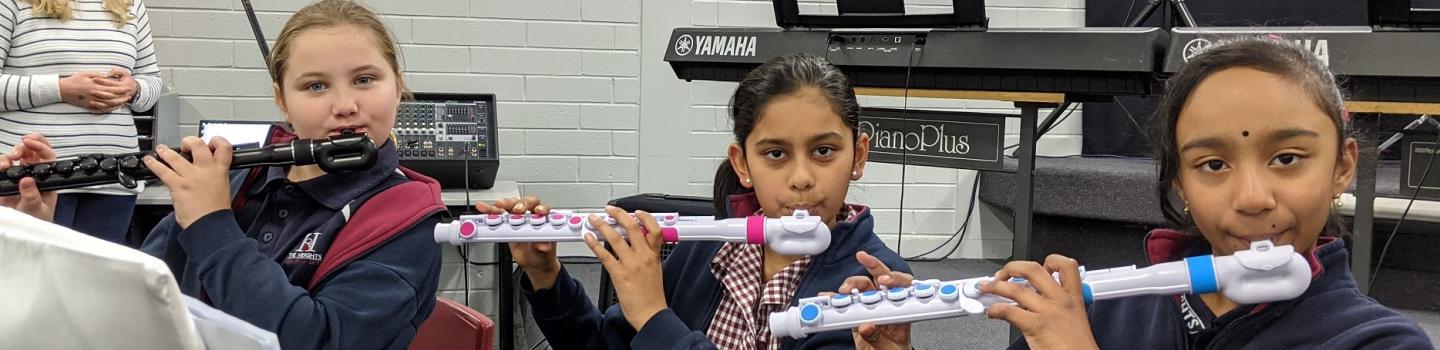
x=965, y=15
x=854, y=7
x=1405, y=15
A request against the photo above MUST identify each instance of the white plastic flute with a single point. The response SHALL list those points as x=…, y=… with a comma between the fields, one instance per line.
x=797, y=234
x=1265, y=273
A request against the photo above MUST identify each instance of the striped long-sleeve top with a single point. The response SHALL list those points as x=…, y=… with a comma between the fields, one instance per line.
x=37, y=51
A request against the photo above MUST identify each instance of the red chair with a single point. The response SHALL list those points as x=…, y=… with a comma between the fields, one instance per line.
x=454, y=326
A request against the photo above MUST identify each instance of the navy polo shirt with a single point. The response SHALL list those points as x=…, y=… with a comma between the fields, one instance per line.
x=294, y=222
x=376, y=301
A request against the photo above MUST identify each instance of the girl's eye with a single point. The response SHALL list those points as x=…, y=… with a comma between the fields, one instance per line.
x=1285, y=160
x=364, y=80
x=825, y=151
x=1213, y=165
x=775, y=154
x=315, y=87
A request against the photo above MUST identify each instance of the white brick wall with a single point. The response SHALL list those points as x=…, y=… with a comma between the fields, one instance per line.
x=469, y=32
x=565, y=71
x=525, y=61
x=935, y=200
x=575, y=89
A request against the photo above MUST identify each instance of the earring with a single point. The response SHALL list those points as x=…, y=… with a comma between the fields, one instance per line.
x=854, y=175
x=1187, y=208
x=1338, y=202
x=747, y=181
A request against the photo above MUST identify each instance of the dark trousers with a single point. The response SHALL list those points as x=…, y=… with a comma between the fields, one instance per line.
x=103, y=216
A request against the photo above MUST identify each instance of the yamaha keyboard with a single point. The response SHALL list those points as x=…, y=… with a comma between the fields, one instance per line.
x=1079, y=62
x=1381, y=66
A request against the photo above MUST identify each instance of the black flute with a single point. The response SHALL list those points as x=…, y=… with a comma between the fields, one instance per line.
x=345, y=152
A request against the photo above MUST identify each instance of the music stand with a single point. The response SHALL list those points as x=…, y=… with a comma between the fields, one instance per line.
x=856, y=7
x=1181, y=13
x=1405, y=15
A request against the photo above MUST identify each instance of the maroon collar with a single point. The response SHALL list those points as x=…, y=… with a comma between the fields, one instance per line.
x=280, y=134
x=742, y=205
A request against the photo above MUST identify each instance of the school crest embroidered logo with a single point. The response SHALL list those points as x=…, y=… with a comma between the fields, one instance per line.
x=305, y=253
x=308, y=246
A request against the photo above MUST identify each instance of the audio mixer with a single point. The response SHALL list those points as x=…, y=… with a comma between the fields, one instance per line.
x=444, y=136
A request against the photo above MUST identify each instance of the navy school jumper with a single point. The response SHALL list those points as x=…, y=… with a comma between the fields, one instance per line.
x=570, y=321
x=1331, y=314
x=342, y=261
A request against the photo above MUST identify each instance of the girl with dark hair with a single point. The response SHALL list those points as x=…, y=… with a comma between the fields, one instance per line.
x=797, y=147
x=1252, y=143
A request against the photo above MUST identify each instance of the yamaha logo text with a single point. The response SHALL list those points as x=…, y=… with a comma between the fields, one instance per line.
x=1319, y=47
x=716, y=45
